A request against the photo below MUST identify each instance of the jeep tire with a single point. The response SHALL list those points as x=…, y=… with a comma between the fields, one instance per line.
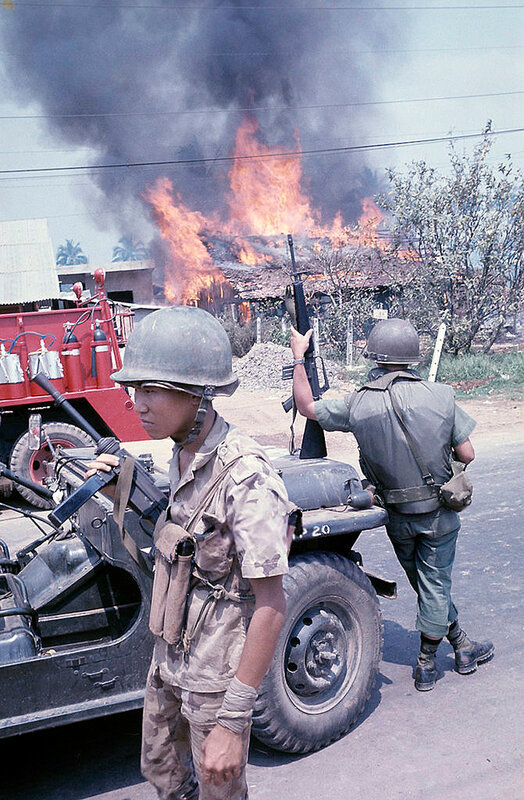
x=31, y=465
x=327, y=657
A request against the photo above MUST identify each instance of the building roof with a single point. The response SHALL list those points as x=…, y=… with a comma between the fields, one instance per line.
x=27, y=262
x=263, y=282
x=109, y=266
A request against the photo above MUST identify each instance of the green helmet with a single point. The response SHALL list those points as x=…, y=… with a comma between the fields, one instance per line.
x=393, y=341
x=183, y=346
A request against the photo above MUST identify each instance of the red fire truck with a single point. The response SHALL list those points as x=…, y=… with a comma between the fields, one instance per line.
x=78, y=349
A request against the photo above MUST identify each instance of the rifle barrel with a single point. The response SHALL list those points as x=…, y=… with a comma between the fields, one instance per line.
x=43, y=381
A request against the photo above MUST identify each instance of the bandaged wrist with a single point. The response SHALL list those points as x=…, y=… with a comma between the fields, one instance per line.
x=237, y=706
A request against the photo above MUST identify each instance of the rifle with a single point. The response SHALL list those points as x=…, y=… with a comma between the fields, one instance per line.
x=43, y=491
x=145, y=498
x=313, y=440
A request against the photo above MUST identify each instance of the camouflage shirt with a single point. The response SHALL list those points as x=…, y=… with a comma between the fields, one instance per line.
x=241, y=535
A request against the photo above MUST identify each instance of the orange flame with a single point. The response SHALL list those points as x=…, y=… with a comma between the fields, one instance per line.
x=191, y=269
x=265, y=199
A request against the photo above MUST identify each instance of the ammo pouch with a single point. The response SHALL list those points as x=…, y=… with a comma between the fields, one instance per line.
x=174, y=568
x=174, y=551
x=457, y=492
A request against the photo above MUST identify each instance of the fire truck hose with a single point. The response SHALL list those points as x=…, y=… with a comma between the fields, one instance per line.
x=33, y=333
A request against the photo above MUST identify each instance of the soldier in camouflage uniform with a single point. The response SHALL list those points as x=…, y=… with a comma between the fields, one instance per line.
x=422, y=531
x=201, y=688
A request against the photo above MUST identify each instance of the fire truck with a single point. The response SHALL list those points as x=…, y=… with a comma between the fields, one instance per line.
x=77, y=348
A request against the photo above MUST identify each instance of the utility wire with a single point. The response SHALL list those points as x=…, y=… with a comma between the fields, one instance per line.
x=378, y=51
x=260, y=156
x=311, y=142
x=257, y=109
x=152, y=7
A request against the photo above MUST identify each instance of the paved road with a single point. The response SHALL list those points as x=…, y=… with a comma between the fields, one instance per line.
x=463, y=740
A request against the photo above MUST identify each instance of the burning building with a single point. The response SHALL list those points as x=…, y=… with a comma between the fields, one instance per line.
x=239, y=256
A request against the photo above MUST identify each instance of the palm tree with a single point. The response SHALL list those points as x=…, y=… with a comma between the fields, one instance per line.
x=70, y=253
x=129, y=250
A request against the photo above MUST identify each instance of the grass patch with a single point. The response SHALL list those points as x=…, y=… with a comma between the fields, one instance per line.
x=471, y=375
x=477, y=374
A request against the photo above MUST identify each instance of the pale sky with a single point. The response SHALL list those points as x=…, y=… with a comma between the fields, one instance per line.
x=434, y=53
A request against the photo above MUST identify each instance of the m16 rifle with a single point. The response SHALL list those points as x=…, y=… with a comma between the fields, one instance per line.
x=145, y=498
x=313, y=440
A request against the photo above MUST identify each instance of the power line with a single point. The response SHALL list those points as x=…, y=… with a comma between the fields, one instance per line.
x=311, y=141
x=376, y=51
x=152, y=7
x=253, y=109
x=260, y=156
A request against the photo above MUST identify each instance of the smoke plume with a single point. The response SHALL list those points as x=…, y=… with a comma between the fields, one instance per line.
x=172, y=82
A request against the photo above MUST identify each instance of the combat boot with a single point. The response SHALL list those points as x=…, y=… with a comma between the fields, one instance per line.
x=467, y=653
x=426, y=671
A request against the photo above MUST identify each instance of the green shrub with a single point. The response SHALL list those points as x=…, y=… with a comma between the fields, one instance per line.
x=241, y=337
x=272, y=331
x=482, y=373
x=481, y=366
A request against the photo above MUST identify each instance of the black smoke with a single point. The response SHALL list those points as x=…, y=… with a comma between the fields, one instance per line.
x=137, y=65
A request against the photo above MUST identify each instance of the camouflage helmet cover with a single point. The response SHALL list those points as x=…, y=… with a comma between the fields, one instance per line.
x=180, y=345
x=393, y=341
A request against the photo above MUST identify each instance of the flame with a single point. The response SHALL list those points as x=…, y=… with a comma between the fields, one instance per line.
x=191, y=269
x=265, y=199
x=247, y=255
x=244, y=312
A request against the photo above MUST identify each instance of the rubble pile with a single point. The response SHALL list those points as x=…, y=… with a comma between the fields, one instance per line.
x=261, y=369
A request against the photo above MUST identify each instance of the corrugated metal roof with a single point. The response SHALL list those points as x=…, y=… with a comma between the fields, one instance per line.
x=27, y=262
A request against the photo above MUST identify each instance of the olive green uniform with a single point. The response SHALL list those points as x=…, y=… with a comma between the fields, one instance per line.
x=422, y=532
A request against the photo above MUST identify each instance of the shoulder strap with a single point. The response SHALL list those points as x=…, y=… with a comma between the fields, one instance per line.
x=121, y=498
x=427, y=477
x=204, y=500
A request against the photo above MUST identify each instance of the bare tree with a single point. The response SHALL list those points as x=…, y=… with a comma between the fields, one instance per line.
x=467, y=230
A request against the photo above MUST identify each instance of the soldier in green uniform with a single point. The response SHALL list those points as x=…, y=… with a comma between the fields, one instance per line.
x=422, y=531
x=203, y=679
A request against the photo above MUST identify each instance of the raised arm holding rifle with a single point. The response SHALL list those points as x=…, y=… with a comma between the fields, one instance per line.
x=395, y=416
x=305, y=364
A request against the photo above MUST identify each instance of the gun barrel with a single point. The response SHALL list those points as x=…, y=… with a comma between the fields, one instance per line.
x=43, y=491
x=43, y=381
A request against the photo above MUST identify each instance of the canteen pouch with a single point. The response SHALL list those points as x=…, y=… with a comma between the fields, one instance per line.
x=457, y=492
x=174, y=551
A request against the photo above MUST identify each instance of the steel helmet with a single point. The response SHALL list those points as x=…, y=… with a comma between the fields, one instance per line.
x=180, y=345
x=393, y=341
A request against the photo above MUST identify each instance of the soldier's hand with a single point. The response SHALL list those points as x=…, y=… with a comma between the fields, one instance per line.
x=299, y=343
x=222, y=756
x=105, y=462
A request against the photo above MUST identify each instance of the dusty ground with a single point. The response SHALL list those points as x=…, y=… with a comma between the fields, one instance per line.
x=261, y=414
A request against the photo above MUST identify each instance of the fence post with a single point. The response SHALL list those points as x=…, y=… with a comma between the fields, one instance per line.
x=259, y=330
x=349, y=341
x=437, y=352
x=316, y=329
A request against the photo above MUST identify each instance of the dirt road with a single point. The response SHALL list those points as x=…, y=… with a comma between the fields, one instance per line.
x=261, y=414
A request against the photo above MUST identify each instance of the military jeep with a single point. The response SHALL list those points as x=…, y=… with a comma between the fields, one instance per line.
x=74, y=608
